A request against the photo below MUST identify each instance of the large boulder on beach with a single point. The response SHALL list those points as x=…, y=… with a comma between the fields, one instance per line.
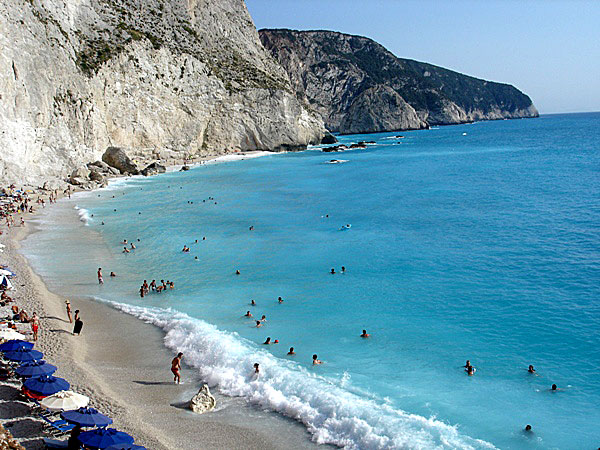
x=153, y=169
x=117, y=158
x=203, y=401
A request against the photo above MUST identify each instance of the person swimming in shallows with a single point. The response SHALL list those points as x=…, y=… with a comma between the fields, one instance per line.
x=263, y=318
x=100, y=280
x=365, y=334
x=237, y=272
x=316, y=361
x=267, y=341
x=555, y=388
x=531, y=369
x=280, y=300
x=258, y=324
x=291, y=352
x=256, y=368
x=126, y=250
x=248, y=314
x=252, y=302
x=332, y=271
x=527, y=429
x=343, y=269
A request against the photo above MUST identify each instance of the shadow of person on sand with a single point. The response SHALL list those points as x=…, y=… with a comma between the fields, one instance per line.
x=55, y=318
x=60, y=330
x=155, y=383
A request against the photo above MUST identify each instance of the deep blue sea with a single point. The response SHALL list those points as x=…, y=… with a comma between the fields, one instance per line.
x=477, y=242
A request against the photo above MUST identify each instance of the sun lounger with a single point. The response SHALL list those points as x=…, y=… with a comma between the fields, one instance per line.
x=54, y=443
x=60, y=426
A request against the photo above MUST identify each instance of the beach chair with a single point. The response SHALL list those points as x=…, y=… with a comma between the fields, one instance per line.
x=54, y=443
x=57, y=426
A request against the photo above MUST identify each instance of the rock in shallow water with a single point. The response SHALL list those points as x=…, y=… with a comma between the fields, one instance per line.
x=203, y=401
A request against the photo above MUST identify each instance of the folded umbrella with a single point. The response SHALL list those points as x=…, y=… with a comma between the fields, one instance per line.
x=104, y=437
x=64, y=401
x=35, y=369
x=15, y=344
x=24, y=354
x=87, y=417
x=46, y=385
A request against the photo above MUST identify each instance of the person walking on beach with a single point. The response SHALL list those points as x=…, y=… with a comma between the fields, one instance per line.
x=68, y=303
x=100, y=280
x=176, y=367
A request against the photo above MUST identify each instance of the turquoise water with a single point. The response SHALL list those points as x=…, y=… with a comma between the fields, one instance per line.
x=481, y=246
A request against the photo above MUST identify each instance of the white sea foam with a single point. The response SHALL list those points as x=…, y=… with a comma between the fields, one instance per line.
x=329, y=410
x=84, y=215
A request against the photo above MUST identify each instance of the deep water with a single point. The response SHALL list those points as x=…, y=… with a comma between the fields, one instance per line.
x=477, y=242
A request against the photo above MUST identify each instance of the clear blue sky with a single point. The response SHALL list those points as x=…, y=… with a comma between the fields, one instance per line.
x=549, y=49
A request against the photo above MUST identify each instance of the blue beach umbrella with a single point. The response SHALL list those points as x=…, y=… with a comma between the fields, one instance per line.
x=125, y=447
x=24, y=354
x=104, y=437
x=86, y=417
x=46, y=385
x=35, y=369
x=15, y=344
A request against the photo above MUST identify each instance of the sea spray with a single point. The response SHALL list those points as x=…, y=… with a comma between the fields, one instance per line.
x=332, y=414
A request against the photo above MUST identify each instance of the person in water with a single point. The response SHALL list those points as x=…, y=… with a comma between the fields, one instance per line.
x=531, y=369
x=112, y=274
x=263, y=318
x=332, y=271
x=267, y=341
x=132, y=246
x=248, y=314
x=252, y=302
x=467, y=364
x=555, y=388
x=280, y=300
x=126, y=250
x=100, y=280
x=176, y=368
x=528, y=429
x=256, y=368
x=258, y=324
x=316, y=361
x=365, y=334
x=470, y=371
x=237, y=272
x=291, y=352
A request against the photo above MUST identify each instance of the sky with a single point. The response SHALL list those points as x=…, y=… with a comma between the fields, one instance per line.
x=549, y=49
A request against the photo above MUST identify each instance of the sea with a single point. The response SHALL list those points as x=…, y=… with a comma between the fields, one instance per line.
x=476, y=242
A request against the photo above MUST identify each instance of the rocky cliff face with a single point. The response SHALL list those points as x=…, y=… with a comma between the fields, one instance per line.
x=356, y=85
x=183, y=77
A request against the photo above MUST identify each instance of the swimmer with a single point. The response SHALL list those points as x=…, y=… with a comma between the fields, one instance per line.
x=204, y=238
x=124, y=242
x=531, y=369
x=467, y=364
x=528, y=429
x=252, y=302
x=195, y=257
x=316, y=361
x=132, y=246
x=276, y=341
x=365, y=334
x=256, y=369
x=112, y=274
x=258, y=324
x=263, y=318
x=126, y=250
x=280, y=300
x=343, y=269
x=196, y=241
x=291, y=352
x=237, y=272
x=555, y=388
x=100, y=280
x=248, y=314
x=267, y=342
x=470, y=371
x=251, y=228
x=332, y=271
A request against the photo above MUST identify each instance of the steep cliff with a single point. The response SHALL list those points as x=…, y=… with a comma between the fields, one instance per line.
x=357, y=85
x=186, y=77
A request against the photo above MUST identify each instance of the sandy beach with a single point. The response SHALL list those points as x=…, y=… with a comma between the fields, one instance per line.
x=121, y=364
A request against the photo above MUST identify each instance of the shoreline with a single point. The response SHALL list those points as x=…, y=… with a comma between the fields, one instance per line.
x=133, y=386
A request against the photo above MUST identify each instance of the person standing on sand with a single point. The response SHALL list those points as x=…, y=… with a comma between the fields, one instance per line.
x=176, y=367
x=68, y=303
x=78, y=324
x=35, y=325
x=100, y=280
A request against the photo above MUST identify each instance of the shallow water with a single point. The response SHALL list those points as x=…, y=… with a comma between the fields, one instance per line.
x=483, y=246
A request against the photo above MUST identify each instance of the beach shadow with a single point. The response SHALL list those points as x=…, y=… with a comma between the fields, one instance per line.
x=14, y=410
x=55, y=318
x=9, y=393
x=181, y=405
x=25, y=428
x=155, y=383
x=59, y=330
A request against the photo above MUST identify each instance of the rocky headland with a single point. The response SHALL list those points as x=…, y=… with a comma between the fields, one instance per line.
x=357, y=86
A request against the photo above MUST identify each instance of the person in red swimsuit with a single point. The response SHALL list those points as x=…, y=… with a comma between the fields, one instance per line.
x=176, y=367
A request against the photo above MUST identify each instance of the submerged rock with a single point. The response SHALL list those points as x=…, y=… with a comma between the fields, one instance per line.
x=203, y=401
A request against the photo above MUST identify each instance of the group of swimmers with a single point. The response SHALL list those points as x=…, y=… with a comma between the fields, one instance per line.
x=145, y=288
